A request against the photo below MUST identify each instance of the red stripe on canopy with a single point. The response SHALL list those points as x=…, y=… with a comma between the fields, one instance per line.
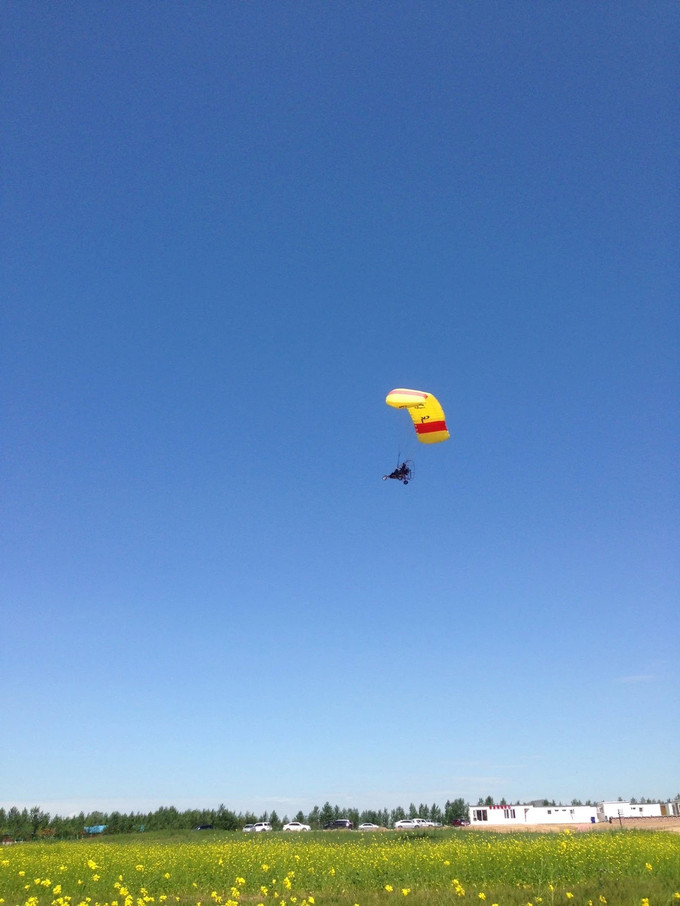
x=430, y=427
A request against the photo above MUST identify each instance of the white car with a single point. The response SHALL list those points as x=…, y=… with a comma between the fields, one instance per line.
x=296, y=826
x=262, y=826
x=411, y=823
x=369, y=826
x=247, y=828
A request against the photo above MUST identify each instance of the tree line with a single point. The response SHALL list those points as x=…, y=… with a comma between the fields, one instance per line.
x=34, y=823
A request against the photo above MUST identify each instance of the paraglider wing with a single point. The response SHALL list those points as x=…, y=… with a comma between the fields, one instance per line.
x=427, y=415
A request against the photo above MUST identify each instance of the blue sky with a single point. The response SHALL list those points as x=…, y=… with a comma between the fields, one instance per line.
x=228, y=230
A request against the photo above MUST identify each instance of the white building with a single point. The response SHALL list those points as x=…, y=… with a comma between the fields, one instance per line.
x=532, y=814
x=518, y=815
x=609, y=811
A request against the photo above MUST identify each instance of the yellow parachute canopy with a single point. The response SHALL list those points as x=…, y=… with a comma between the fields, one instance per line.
x=428, y=416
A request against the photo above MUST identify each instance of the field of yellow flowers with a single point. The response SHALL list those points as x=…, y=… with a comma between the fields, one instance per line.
x=621, y=868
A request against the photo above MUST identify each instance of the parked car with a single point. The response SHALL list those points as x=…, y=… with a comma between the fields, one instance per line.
x=262, y=826
x=296, y=826
x=339, y=824
x=459, y=822
x=368, y=826
x=410, y=823
x=247, y=828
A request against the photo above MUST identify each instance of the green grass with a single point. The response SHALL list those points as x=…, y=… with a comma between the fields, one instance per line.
x=212, y=868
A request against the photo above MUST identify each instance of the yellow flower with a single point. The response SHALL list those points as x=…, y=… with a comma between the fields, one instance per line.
x=389, y=888
x=406, y=891
x=648, y=866
x=481, y=895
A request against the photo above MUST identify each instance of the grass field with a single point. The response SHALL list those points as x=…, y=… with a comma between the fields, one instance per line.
x=621, y=868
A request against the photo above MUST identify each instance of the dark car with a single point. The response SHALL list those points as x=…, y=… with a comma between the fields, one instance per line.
x=459, y=822
x=338, y=824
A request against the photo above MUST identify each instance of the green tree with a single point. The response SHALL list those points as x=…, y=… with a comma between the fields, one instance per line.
x=314, y=818
x=456, y=811
x=397, y=814
x=327, y=814
x=370, y=816
x=38, y=820
x=225, y=819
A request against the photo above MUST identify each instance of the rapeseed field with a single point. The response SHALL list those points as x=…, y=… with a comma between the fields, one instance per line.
x=625, y=868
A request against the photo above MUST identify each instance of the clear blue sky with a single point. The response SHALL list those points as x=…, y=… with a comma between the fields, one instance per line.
x=228, y=230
